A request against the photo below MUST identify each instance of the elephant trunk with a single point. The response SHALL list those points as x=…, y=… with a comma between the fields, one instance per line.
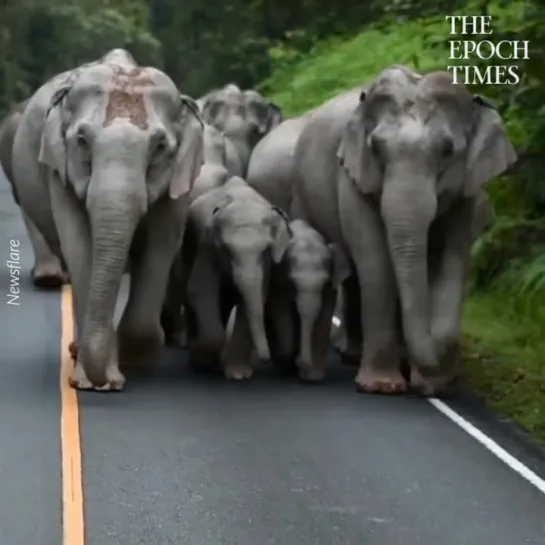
x=115, y=202
x=408, y=214
x=252, y=287
x=308, y=307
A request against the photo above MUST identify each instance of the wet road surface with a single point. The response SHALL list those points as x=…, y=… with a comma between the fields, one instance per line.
x=184, y=458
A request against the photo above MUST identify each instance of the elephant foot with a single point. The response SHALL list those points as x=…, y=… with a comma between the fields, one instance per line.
x=115, y=381
x=311, y=374
x=433, y=386
x=139, y=351
x=49, y=275
x=238, y=371
x=374, y=381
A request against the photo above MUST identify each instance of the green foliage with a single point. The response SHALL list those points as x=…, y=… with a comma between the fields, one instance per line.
x=39, y=39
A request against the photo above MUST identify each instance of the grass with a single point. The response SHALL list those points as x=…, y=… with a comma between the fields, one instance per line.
x=503, y=361
x=504, y=328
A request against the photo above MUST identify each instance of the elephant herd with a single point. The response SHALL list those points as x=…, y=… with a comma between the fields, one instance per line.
x=367, y=205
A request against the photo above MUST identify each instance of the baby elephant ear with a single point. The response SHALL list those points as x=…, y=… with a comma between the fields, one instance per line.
x=190, y=155
x=342, y=268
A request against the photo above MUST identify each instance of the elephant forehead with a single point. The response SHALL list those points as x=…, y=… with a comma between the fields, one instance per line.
x=125, y=96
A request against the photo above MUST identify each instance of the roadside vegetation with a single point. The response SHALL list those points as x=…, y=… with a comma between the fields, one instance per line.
x=302, y=53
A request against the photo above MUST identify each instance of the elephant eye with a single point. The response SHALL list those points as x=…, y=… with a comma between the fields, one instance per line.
x=160, y=147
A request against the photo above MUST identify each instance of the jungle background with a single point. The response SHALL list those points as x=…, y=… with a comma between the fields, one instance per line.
x=299, y=53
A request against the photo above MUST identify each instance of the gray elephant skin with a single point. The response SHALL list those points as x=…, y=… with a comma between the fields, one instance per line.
x=244, y=117
x=233, y=239
x=103, y=163
x=301, y=301
x=271, y=163
x=48, y=270
x=394, y=172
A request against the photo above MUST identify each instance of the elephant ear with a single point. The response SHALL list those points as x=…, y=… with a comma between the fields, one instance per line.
x=190, y=155
x=354, y=153
x=274, y=117
x=211, y=107
x=264, y=115
x=282, y=234
x=490, y=152
x=341, y=265
x=52, y=145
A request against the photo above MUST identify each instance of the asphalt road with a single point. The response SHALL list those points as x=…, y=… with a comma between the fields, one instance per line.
x=179, y=458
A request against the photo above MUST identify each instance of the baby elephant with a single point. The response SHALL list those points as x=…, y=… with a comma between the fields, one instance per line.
x=302, y=300
x=233, y=238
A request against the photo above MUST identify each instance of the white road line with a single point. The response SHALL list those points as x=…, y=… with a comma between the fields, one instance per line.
x=488, y=443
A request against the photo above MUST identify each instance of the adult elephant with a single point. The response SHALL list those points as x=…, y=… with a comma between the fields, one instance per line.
x=103, y=162
x=48, y=270
x=394, y=172
x=271, y=163
x=244, y=117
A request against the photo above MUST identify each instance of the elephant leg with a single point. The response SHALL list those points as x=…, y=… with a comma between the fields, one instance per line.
x=454, y=233
x=237, y=356
x=207, y=331
x=48, y=270
x=282, y=329
x=172, y=319
x=140, y=335
x=363, y=230
x=75, y=245
x=348, y=336
x=320, y=341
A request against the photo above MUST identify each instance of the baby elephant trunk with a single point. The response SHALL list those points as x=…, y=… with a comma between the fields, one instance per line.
x=251, y=288
x=308, y=307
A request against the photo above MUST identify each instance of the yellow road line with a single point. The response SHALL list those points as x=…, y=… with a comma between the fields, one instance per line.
x=72, y=487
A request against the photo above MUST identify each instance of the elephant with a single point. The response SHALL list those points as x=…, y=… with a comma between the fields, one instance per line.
x=48, y=270
x=244, y=117
x=271, y=163
x=104, y=160
x=301, y=301
x=393, y=171
x=232, y=240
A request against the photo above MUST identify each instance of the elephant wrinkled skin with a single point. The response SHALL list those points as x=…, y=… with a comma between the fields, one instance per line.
x=103, y=162
x=394, y=173
x=271, y=163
